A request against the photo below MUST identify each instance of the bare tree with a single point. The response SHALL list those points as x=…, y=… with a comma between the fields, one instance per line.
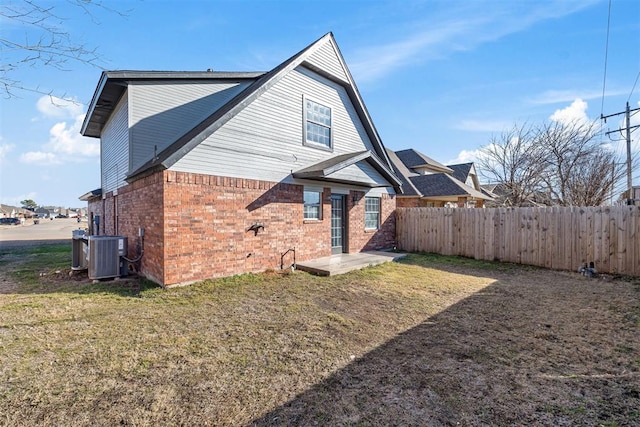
x=581, y=171
x=516, y=163
x=552, y=164
x=38, y=38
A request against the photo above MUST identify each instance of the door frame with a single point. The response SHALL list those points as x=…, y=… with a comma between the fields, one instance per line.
x=342, y=199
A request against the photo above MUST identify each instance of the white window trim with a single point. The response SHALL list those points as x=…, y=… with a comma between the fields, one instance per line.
x=377, y=227
x=312, y=190
x=312, y=144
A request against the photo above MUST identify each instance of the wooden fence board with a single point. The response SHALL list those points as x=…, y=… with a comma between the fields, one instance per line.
x=557, y=238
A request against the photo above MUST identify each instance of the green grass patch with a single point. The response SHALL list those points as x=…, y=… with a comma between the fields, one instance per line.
x=434, y=260
x=429, y=340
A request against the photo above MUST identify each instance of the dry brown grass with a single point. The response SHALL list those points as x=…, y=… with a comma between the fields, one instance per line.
x=431, y=341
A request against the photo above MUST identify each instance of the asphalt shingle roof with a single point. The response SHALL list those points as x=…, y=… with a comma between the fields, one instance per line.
x=461, y=171
x=412, y=158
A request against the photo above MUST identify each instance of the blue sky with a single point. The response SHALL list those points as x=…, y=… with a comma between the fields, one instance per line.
x=438, y=76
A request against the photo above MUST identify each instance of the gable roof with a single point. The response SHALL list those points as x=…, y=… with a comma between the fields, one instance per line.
x=440, y=184
x=415, y=159
x=112, y=85
x=444, y=185
x=403, y=174
x=326, y=168
x=461, y=171
x=261, y=82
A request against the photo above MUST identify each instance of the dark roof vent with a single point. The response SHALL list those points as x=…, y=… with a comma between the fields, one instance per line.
x=209, y=70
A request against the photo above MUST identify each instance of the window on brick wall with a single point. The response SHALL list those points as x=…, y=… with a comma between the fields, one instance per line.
x=371, y=213
x=312, y=204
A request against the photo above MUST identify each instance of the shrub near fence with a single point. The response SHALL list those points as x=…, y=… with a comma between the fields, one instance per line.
x=559, y=238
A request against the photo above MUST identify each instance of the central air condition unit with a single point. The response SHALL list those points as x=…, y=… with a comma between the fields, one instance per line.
x=79, y=251
x=105, y=254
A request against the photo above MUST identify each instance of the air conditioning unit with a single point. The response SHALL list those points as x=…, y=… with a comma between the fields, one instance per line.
x=79, y=253
x=105, y=254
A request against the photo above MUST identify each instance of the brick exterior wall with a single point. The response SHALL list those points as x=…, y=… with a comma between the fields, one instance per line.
x=417, y=202
x=196, y=226
x=136, y=205
x=367, y=240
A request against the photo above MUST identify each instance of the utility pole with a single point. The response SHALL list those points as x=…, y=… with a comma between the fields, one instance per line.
x=627, y=128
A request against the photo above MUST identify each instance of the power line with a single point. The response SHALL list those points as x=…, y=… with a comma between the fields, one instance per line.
x=634, y=87
x=606, y=56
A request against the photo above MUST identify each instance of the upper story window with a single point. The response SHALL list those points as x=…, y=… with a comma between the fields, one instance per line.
x=371, y=213
x=317, y=124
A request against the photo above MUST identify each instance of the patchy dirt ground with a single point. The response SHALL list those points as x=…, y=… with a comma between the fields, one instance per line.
x=534, y=348
x=432, y=341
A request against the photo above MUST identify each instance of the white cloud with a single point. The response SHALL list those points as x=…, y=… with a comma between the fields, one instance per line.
x=461, y=31
x=466, y=156
x=52, y=106
x=65, y=139
x=483, y=125
x=4, y=149
x=574, y=113
x=65, y=142
x=40, y=158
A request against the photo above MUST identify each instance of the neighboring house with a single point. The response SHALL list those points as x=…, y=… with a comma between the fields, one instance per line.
x=8, y=211
x=428, y=183
x=227, y=171
x=635, y=196
x=501, y=196
x=43, y=212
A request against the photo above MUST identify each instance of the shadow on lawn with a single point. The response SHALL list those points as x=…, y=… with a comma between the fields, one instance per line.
x=499, y=357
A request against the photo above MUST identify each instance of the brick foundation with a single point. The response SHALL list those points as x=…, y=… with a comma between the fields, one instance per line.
x=202, y=230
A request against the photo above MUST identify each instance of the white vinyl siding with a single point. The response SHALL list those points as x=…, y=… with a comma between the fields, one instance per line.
x=371, y=213
x=361, y=172
x=327, y=59
x=114, y=151
x=162, y=112
x=263, y=140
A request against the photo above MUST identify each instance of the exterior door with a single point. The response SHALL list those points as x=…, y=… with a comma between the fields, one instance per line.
x=338, y=235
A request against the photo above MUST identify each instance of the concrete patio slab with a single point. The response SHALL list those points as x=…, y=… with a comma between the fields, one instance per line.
x=343, y=263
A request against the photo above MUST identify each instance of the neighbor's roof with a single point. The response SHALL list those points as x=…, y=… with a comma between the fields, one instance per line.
x=442, y=184
x=413, y=159
x=461, y=171
x=403, y=173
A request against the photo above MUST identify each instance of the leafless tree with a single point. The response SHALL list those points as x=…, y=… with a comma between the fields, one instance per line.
x=36, y=36
x=581, y=169
x=515, y=162
x=552, y=164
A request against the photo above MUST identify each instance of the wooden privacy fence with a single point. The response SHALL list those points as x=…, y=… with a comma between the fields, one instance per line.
x=556, y=238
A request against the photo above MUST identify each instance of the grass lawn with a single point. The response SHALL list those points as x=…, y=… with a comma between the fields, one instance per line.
x=430, y=340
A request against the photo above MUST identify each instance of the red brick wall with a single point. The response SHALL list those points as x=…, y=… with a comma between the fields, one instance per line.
x=408, y=202
x=140, y=205
x=416, y=202
x=207, y=220
x=136, y=205
x=367, y=240
x=196, y=225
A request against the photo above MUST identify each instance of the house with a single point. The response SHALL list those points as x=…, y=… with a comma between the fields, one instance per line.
x=8, y=211
x=44, y=212
x=503, y=196
x=633, y=200
x=428, y=183
x=231, y=172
